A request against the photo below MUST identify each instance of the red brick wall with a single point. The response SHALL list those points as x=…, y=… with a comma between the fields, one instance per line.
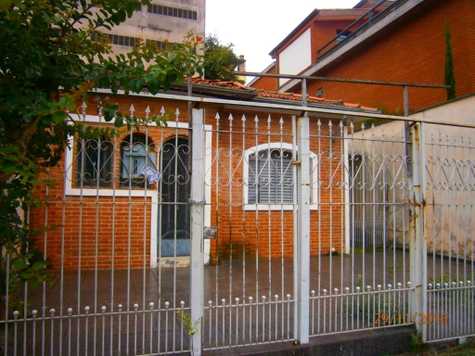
x=323, y=32
x=88, y=222
x=267, y=83
x=86, y=231
x=270, y=232
x=413, y=51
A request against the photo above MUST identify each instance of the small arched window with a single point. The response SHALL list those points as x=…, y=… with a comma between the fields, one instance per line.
x=137, y=156
x=94, y=163
x=269, y=177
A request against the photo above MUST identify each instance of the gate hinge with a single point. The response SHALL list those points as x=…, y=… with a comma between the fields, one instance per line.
x=416, y=203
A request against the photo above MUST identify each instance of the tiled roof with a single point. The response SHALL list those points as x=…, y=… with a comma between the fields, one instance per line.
x=270, y=94
x=221, y=84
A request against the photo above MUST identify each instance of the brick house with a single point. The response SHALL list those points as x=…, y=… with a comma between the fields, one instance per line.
x=399, y=41
x=102, y=213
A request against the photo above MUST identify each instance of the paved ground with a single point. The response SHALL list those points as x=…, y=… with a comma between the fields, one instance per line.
x=146, y=332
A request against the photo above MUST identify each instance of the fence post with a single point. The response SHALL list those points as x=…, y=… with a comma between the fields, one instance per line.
x=302, y=248
x=197, y=201
x=417, y=242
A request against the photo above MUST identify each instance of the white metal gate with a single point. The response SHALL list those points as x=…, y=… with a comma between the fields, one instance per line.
x=300, y=225
x=448, y=181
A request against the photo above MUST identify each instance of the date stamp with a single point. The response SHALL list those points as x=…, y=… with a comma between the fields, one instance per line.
x=384, y=318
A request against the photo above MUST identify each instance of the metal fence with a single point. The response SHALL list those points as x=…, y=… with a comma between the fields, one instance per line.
x=449, y=185
x=251, y=226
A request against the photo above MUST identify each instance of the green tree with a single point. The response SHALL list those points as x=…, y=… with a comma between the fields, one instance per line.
x=220, y=61
x=449, y=66
x=52, y=55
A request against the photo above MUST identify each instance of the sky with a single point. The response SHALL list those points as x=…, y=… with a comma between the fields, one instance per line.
x=255, y=27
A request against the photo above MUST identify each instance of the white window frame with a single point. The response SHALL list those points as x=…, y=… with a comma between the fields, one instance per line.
x=286, y=147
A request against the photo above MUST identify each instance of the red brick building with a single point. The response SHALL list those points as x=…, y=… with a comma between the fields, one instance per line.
x=400, y=41
x=102, y=213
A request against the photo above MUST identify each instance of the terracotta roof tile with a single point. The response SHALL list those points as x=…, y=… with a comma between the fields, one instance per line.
x=270, y=94
x=220, y=83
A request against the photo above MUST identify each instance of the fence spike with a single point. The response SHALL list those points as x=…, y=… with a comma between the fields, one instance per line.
x=132, y=110
x=83, y=108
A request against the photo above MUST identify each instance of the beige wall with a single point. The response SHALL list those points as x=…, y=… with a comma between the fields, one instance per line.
x=449, y=173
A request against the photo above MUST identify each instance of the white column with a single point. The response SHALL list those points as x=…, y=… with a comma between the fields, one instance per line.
x=302, y=247
x=197, y=202
x=417, y=243
x=346, y=177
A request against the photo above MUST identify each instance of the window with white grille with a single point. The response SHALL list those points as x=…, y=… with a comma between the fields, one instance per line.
x=269, y=177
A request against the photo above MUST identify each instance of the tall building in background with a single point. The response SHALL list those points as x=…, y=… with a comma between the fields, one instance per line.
x=160, y=22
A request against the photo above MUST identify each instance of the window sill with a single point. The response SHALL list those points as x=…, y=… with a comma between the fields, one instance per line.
x=273, y=207
x=77, y=192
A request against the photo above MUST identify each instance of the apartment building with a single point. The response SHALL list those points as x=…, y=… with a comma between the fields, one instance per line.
x=162, y=21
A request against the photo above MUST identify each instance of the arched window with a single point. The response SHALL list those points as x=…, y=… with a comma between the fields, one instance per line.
x=94, y=163
x=137, y=156
x=269, y=177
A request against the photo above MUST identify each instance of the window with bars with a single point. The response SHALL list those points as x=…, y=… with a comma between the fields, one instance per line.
x=173, y=12
x=123, y=40
x=159, y=45
x=269, y=177
x=94, y=163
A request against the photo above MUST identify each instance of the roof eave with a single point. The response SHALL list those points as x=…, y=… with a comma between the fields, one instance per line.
x=299, y=27
x=314, y=105
x=218, y=91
